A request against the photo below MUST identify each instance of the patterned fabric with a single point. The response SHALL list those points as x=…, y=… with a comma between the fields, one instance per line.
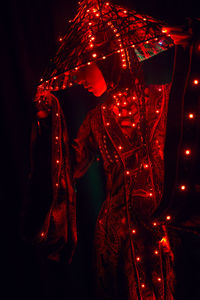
x=133, y=259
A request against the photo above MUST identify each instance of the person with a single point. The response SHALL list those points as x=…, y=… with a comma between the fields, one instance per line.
x=133, y=258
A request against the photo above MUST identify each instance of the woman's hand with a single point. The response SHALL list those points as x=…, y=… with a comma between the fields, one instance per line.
x=43, y=103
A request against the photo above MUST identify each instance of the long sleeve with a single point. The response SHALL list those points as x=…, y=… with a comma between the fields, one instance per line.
x=52, y=190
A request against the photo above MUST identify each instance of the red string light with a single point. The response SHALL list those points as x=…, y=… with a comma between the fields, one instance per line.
x=187, y=152
x=195, y=81
x=138, y=258
x=159, y=279
x=183, y=187
x=191, y=116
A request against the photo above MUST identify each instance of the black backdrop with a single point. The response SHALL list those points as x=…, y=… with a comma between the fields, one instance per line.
x=29, y=37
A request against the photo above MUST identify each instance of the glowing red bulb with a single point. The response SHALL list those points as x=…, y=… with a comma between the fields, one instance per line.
x=104, y=107
x=156, y=252
x=133, y=231
x=56, y=184
x=120, y=147
x=191, y=116
x=103, y=57
x=183, y=187
x=42, y=234
x=60, y=39
x=138, y=258
x=108, y=124
x=159, y=279
x=143, y=285
x=154, y=224
x=57, y=161
x=94, y=55
x=150, y=194
x=187, y=151
x=164, y=30
x=168, y=218
x=146, y=166
x=195, y=81
x=133, y=125
x=127, y=172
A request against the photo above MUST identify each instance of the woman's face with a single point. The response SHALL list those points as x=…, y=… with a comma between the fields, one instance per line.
x=92, y=79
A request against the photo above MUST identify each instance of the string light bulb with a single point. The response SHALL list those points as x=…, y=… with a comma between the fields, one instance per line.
x=159, y=279
x=187, y=152
x=183, y=187
x=138, y=258
x=191, y=116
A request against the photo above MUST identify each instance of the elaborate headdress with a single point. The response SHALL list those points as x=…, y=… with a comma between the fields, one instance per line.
x=99, y=30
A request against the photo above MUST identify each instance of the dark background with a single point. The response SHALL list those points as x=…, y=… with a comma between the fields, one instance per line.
x=29, y=37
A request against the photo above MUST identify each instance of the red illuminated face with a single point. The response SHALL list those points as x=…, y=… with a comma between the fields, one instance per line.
x=92, y=79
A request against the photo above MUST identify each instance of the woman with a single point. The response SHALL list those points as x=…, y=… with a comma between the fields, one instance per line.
x=132, y=254
x=133, y=259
